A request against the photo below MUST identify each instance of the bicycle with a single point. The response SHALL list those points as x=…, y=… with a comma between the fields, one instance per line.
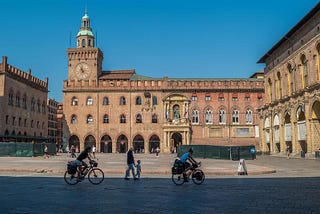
x=95, y=175
x=178, y=175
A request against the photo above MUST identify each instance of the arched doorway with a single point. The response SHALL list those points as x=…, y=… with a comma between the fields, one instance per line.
x=176, y=141
x=74, y=141
x=122, y=144
x=276, y=129
x=89, y=141
x=154, y=142
x=267, y=133
x=315, y=125
x=106, y=144
x=302, y=131
x=138, y=144
x=287, y=131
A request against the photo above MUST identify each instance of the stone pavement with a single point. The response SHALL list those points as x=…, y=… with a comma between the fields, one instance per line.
x=115, y=164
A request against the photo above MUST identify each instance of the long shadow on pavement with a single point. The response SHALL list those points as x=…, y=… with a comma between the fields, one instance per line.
x=160, y=195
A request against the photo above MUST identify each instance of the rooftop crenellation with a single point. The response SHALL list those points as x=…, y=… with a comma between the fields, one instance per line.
x=26, y=76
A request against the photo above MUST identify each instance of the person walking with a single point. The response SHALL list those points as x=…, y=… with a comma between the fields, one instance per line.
x=45, y=151
x=288, y=152
x=138, y=168
x=131, y=165
x=73, y=151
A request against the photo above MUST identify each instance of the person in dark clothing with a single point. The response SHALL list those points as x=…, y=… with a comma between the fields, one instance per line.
x=131, y=165
x=80, y=160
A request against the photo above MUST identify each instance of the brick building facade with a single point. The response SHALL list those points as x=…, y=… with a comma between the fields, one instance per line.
x=23, y=101
x=115, y=110
x=290, y=118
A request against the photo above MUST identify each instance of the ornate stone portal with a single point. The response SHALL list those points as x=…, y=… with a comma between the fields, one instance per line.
x=176, y=127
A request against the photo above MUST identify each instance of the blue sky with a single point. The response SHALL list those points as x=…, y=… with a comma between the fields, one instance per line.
x=157, y=38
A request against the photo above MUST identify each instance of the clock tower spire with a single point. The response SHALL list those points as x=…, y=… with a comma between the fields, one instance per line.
x=85, y=37
x=85, y=61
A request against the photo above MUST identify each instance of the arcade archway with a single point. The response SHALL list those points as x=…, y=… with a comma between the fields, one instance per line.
x=176, y=141
x=106, y=144
x=122, y=144
x=74, y=141
x=154, y=143
x=89, y=141
x=138, y=144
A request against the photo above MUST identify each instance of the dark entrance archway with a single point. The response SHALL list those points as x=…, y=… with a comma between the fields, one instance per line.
x=74, y=141
x=122, y=144
x=176, y=141
x=106, y=144
x=154, y=142
x=138, y=144
x=89, y=141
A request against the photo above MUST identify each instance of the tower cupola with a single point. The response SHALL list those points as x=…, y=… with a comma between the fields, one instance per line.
x=85, y=37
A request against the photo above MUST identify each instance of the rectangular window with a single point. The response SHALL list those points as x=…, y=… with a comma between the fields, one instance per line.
x=242, y=132
x=208, y=98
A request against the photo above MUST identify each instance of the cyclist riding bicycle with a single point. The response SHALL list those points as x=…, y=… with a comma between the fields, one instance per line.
x=188, y=162
x=79, y=161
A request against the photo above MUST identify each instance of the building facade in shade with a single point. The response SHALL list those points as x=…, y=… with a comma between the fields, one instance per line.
x=23, y=100
x=118, y=109
x=52, y=120
x=290, y=118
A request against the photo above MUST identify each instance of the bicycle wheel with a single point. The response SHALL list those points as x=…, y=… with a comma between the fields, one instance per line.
x=96, y=176
x=70, y=179
x=177, y=179
x=198, y=176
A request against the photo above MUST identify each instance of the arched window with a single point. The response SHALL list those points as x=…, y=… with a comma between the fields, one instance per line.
x=249, y=119
x=222, y=116
x=279, y=89
x=208, y=117
x=74, y=119
x=106, y=118
x=89, y=101
x=122, y=118
x=138, y=118
x=89, y=119
x=122, y=101
x=269, y=89
x=18, y=100
x=154, y=100
x=138, y=100
x=31, y=124
x=44, y=107
x=38, y=106
x=304, y=73
x=89, y=42
x=10, y=98
x=290, y=79
x=83, y=43
x=24, y=101
x=33, y=103
x=195, y=116
x=235, y=117
x=154, y=118
x=105, y=101
x=74, y=101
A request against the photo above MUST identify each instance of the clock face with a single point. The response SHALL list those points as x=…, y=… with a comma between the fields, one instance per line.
x=82, y=71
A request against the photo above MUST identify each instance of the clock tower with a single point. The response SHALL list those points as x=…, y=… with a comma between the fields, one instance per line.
x=84, y=61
